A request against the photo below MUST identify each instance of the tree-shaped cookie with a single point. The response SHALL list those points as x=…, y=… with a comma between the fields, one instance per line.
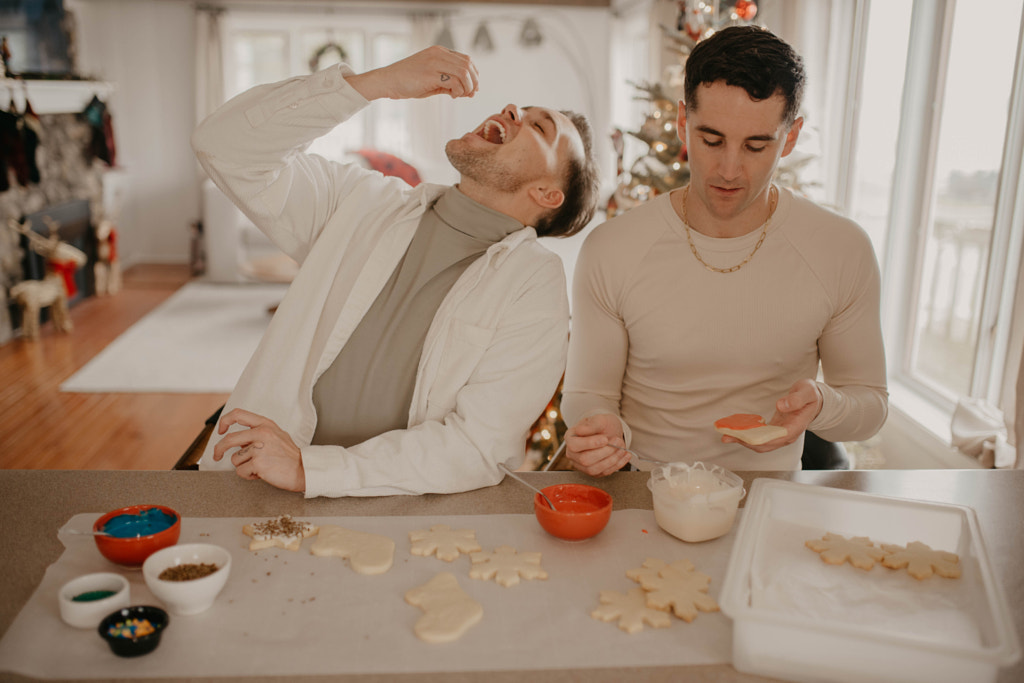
x=631, y=610
x=443, y=541
x=677, y=586
x=921, y=561
x=506, y=566
x=859, y=551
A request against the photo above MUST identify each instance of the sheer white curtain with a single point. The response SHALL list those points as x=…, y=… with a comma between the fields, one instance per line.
x=1019, y=417
x=427, y=120
x=209, y=61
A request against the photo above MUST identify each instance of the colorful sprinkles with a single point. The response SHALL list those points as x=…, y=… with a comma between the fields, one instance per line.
x=133, y=628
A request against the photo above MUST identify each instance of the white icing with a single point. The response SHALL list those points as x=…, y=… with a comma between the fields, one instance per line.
x=695, y=504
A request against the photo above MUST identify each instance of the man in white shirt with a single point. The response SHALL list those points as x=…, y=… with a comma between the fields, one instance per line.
x=426, y=328
x=724, y=296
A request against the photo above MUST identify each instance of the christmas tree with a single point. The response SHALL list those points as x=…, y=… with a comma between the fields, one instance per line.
x=663, y=167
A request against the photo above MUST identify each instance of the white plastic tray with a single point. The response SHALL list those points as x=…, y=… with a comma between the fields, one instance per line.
x=796, y=618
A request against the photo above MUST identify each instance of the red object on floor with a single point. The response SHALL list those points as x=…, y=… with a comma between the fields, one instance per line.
x=390, y=165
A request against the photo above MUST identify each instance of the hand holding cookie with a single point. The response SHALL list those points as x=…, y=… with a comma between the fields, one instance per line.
x=793, y=413
x=748, y=428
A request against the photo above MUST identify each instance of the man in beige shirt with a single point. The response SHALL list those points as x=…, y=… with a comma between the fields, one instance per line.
x=724, y=296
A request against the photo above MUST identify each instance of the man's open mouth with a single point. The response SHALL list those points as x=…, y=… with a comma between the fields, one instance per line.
x=493, y=132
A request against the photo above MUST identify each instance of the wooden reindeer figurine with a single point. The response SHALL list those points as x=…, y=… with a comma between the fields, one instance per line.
x=34, y=295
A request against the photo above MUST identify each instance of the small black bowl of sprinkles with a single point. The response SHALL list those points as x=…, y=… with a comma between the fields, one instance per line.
x=134, y=631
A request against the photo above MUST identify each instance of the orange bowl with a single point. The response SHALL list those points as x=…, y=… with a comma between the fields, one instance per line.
x=138, y=532
x=580, y=512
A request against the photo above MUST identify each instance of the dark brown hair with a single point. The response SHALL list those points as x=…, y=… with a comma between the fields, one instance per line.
x=581, y=186
x=749, y=57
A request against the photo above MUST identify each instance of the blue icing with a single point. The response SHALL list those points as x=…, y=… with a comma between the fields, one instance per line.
x=144, y=523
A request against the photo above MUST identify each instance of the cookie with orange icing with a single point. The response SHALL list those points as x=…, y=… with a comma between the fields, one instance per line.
x=749, y=428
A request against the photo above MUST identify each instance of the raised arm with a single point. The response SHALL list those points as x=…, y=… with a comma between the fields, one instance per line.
x=433, y=71
x=253, y=147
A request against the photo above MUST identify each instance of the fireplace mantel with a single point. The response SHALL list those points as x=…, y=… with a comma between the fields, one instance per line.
x=53, y=97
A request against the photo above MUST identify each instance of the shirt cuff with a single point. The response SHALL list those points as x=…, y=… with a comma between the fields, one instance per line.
x=327, y=472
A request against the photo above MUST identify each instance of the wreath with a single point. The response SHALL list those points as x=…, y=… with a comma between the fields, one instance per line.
x=318, y=54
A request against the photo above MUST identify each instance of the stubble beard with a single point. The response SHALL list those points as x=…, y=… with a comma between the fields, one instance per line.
x=481, y=167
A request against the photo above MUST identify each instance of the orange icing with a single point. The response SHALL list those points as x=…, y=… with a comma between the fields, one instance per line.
x=740, y=421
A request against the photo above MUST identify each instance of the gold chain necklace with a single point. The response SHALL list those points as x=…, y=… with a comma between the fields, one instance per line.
x=773, y=202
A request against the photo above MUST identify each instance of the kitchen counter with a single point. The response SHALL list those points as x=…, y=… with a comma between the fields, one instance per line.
x=34, y=504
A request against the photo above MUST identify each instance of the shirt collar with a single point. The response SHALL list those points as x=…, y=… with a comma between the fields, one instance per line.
x=472, y=218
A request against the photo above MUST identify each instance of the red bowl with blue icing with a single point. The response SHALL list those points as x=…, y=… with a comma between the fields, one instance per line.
x=128, y=535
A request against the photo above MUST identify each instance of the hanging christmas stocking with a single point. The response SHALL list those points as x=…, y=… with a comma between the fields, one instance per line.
x=31, y=137
x=13, y=149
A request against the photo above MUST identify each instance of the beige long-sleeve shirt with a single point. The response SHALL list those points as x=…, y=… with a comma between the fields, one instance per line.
x=670, y=346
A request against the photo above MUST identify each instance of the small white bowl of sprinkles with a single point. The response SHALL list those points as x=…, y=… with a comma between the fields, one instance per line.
x=86, y=600
x=187, y=578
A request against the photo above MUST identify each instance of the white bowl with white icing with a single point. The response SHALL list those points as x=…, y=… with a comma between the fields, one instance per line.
x=695, y=502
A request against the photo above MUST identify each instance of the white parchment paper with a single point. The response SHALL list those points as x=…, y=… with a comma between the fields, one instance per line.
x=788, y=578
x=287, y=612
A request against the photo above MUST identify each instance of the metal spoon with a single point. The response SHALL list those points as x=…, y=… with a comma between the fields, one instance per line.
x=641, y=457
x=526, y=483
x=86, y=533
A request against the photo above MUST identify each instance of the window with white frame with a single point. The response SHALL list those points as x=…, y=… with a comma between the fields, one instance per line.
x=934, y=173
x=264, y=47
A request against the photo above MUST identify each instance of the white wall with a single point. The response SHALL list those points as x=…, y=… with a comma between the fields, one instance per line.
x=146, y=48
x=568, y=70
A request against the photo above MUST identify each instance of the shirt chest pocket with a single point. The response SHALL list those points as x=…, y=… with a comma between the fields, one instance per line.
x=463, y=350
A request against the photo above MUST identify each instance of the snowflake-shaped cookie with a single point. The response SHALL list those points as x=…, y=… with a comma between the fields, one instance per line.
x=859, y=551
x=677, y=586
x=921, y=561
x=506, y=566
x=443, y=541
x=653, y=568
x=631, y=610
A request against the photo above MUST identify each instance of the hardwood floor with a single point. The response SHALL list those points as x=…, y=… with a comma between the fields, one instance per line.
x=44, y=428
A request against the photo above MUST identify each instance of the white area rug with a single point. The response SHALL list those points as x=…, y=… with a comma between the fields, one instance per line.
x=198, y=341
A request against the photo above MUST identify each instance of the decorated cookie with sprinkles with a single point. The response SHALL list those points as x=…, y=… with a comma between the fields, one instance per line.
x=279, y=532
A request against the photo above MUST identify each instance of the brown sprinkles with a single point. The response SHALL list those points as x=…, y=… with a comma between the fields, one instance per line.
x=280, y=526
x=188, y=572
